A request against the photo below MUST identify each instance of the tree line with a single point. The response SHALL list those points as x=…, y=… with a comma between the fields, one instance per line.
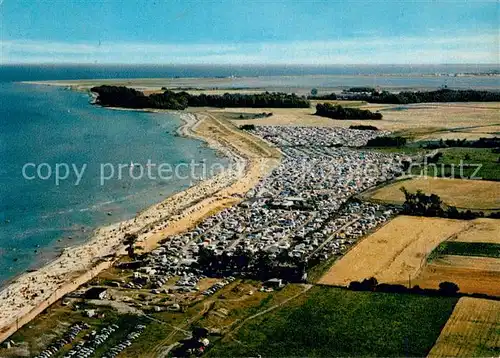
x=464, y=143
x=446, y=288
x=441, y=95
x=257, y=100
x=259, y=265
x=360, y=89
x=338, y=112
x=120, y=96
x=363, y=127
x=330, y=96
x=247, y=127
x=386, y=141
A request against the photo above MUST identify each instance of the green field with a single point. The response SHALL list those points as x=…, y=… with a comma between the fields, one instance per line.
x=489, y=161
x=329, y=322
x=482, y=249
x=490, y=166
x=408, y=150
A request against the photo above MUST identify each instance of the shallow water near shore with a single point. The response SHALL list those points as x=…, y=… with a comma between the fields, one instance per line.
x=41, y=124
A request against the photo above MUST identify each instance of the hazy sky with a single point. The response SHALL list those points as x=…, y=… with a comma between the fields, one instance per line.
x=247, y=31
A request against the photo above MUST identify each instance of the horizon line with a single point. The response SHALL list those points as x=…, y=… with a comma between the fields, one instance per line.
x=248, y=64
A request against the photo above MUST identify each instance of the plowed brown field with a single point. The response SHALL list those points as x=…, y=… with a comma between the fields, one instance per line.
x=471, y=274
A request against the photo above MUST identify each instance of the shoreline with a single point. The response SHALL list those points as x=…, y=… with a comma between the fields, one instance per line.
x=30, y=293
x=56, y=254
x=77, y=82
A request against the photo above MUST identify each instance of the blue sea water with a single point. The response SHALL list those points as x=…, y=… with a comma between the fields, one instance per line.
x=74, y=72
x=337, y=76
x=42, y=124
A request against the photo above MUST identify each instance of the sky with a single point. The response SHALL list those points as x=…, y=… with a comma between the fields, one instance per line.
x=250, y=31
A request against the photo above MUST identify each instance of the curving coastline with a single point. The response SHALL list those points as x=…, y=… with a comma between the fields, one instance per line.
x=251, y=159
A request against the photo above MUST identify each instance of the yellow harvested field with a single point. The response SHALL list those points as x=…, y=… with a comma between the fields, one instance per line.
x=470, y=194
x=424, y=121
x=481, y=230
x=473, y=330
x=394, y=253
x=472, y=274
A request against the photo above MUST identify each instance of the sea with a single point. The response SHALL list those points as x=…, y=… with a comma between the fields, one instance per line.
x=60, y=155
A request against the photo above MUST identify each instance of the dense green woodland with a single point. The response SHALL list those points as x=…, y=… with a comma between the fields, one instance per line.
x=119, y=96
x=338, y=112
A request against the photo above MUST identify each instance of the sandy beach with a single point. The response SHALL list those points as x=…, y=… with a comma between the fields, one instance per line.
x=250, y=160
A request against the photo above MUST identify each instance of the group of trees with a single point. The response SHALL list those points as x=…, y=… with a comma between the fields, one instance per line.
x=464, y=143
x=420, y=204
x=330, y=96
x=432, y=159
x=168, y=100
x=258, y=265
x=370, y=94
x=441, y=95
x=257, y=100
x=255, y=115
x=247, y=127
x=129, y=240
x=371, y=284
x=363, y=127
x=360, y=89
x=386, y=141
x=338, y=112
x=119, y=96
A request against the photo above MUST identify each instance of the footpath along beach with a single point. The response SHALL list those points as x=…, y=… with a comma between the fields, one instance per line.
x=251, y=159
